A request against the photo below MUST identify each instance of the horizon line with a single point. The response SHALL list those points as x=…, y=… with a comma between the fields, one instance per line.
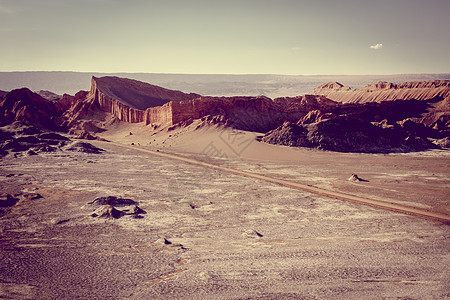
x=230, y=74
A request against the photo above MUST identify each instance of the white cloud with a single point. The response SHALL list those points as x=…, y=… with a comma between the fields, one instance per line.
x=376, y=47
x=295, y=48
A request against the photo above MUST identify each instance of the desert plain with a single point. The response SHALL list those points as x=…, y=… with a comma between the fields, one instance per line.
x=210, y=234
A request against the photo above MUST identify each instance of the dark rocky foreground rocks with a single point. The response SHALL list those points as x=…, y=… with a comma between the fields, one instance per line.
x=348, y=135
x=23, y=139
x=7, y=201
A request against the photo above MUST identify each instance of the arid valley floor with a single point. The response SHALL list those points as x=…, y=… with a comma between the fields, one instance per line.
x=208, y=234
x=134, y=191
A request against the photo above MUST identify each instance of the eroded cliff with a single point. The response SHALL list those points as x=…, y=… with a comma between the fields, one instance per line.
x=385, y=91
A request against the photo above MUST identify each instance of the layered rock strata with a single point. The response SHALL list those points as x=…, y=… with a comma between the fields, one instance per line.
x=385, y=91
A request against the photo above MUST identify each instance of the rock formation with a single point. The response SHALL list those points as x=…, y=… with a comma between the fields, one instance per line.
x=108, y=212
x=125, y=99
x=380, y=117
x=135, y=102
x=135, y=94
x=25, y=106
x=347, y=134
x=106, y=207
x=84, y=147
x=384, y=91
x=113, y=200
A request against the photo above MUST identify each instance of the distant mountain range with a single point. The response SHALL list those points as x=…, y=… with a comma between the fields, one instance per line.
x=212, y=85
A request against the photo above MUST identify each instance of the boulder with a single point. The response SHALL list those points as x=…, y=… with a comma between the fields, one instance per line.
x=108, y=212
x=252, y=234
x=356, y=178
x=7, y=200
x=114, y=201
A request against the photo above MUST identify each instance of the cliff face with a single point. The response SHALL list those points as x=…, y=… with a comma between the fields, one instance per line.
x=135, y=94
x=246, y=113
x=384, y=91
x=129, y=100
x=121, y=97
x=116, y=108
x=112, y=94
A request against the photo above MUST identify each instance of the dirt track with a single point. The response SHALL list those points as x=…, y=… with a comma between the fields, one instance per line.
x=332, y=194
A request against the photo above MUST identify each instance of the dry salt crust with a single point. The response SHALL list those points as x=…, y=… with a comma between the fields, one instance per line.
x=311, y=247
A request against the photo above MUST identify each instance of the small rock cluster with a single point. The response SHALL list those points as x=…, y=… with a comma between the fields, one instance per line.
x=106, y=208
x=8, y=200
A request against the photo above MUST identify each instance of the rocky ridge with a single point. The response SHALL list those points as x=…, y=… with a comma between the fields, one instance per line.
x=247, y=113
x=348, y=134
x=384, y=114
x=385, y=91
x=25, y=106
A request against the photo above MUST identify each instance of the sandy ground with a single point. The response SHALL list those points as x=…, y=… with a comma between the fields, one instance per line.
x=420, y=179
x=231, y=237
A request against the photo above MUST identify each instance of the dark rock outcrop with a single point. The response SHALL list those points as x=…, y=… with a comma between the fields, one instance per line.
x=347, y=135
x=107, y=207
x=288, y=134
x=356, y=178
x=53, y=136
x=113, y=200
x=84, y=147
x=7, y=200
x=108, y=212
x=15, y=138
x=25, y=106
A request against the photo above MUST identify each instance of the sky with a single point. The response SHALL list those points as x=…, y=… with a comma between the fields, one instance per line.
x=292, y=37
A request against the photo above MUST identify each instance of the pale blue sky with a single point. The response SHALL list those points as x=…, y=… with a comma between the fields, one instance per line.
x=233, y=37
